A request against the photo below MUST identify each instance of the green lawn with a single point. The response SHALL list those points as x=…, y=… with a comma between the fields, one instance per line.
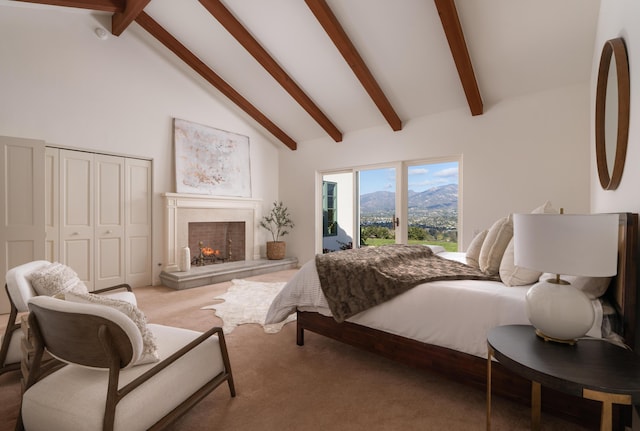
x=449, y=246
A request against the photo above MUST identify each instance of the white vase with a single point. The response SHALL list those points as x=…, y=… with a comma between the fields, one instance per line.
x=559, y=311
x=185, y=259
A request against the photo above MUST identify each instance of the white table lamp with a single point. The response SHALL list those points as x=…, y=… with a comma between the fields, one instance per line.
x=564, y=244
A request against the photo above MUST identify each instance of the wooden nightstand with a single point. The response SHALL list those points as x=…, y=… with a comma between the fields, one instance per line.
x=592, y=368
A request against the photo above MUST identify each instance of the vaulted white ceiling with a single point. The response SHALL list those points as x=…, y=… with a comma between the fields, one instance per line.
x=516, y=47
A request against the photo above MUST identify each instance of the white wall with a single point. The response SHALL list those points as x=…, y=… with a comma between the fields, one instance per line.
x=619, y=19
x=61, y=84
x=520, y=153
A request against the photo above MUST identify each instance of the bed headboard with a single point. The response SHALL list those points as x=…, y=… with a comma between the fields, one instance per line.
x=623, y=291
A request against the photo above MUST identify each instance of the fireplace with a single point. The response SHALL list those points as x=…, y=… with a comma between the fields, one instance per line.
x=216, y=242
x=229, y=225
x=234, y=219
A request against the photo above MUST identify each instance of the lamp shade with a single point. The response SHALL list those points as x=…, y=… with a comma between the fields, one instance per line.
x=569, y=244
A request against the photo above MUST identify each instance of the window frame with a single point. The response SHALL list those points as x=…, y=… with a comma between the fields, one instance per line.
x=402, y=174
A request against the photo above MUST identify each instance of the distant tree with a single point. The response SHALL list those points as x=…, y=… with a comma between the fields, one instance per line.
x=417, y=233
x=376, y=232
x=453, y=236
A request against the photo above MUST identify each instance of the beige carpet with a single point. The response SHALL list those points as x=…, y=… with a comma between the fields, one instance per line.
x=324, y=385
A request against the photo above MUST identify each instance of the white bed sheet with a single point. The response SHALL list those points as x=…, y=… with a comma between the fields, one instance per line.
x=453, y=314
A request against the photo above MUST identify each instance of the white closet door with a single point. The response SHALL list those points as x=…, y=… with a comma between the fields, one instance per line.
x=109, y=221
x=76, y=213
x=138, y=195
x=21, y=205
x=52, y=204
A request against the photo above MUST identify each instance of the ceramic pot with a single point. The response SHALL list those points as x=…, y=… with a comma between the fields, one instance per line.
x=559, y=311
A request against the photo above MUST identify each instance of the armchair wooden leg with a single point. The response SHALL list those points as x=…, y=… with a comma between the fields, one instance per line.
x=227, y=362
x=19, y=424
x=12, y=326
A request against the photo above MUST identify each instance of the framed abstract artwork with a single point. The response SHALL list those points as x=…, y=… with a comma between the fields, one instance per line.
x=211, y=161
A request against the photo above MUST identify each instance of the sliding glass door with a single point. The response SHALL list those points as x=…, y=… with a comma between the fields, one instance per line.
x=377, y=205
x=406, y=202
x=432, y=204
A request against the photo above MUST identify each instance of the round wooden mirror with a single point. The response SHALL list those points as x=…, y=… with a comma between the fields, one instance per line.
x=612, y=113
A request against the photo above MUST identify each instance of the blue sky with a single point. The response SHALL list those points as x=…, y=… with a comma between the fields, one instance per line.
x=421, y=177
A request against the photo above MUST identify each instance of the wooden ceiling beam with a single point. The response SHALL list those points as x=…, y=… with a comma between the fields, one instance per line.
x=99, y=5
x=453, y=30
x=121, y=20
x=164, y=37
x=242, y=35
x=332, y=27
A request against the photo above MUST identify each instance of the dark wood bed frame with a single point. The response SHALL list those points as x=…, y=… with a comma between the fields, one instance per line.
x=472, y=370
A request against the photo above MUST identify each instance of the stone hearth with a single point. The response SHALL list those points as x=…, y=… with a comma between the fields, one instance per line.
x=210, y=274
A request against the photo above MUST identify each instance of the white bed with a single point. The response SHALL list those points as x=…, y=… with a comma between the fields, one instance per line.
x=452, y=314
x=448, y=339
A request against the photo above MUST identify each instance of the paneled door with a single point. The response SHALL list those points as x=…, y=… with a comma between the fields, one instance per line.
x=76, y=213
x=138, y=193
x=109, y=221
x=22, y=232
x=104, y=225
x=52, y=204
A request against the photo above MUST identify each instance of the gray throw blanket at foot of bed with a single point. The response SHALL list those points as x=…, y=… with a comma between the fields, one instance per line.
x=355, y=280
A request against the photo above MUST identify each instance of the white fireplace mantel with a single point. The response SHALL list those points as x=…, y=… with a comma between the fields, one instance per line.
x=182, y=209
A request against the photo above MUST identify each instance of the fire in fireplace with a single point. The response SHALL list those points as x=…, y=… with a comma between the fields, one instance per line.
x=216, y=242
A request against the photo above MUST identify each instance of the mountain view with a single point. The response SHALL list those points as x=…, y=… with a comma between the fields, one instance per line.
x=436, y=207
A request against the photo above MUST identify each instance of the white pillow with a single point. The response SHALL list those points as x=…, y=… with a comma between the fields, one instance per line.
x=495, y=244
x=545, y=208
x=513, y=275
x=150, y=349
x=593, y=287
x=436, y=248
x=55, y=279
x=473, y=252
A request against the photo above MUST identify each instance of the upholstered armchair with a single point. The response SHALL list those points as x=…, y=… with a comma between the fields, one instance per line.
x=20, y=289
x=108, y=380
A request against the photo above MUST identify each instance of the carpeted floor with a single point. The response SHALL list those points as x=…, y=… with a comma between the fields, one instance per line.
x=324, y=385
